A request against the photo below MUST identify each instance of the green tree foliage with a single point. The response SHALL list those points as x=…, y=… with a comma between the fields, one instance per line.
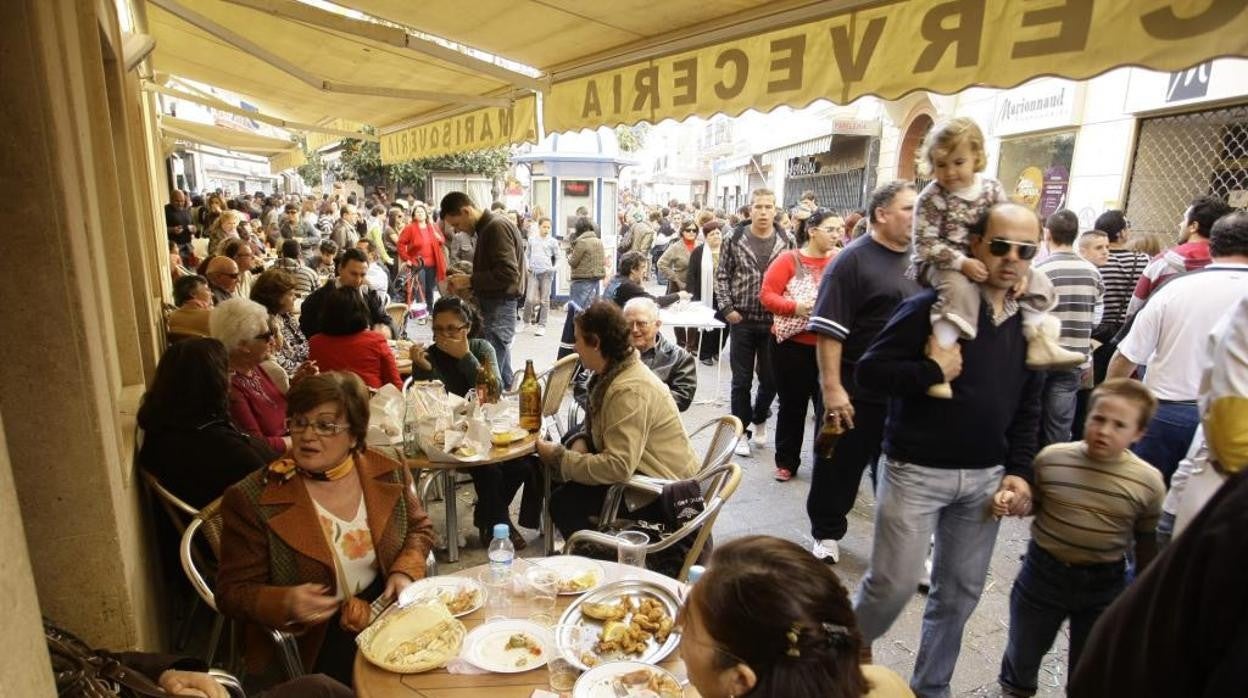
x=361, y=161
x=632, y=138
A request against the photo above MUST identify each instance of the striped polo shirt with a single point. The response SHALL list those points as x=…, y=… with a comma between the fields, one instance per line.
x=1089, y=511
x=1079, y=290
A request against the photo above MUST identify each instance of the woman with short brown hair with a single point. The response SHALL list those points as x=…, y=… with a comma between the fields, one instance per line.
x=315, y=537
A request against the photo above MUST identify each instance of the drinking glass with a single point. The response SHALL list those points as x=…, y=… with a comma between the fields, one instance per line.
x=498, y=595
x=631, y=548
x=541, y=588
x=571, y=642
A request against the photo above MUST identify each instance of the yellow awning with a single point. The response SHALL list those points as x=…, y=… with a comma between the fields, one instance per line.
x=228, y=138
x=892, y=49
x=632, y=60
x=475, y=130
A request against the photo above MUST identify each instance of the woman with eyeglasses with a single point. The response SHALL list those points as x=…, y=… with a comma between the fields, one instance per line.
x=700, y=283
x=769, y=620
x=790, y=288
x=315, y=537
x=674, y=266
x=454, y=358
x=257, y=404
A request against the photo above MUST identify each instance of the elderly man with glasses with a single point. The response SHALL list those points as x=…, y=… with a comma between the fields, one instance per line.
x=222, y=273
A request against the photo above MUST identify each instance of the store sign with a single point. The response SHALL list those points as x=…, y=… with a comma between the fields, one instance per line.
x=475, y=130
x=1035, y=170
x=1192, y=83
x=1043, y=105
x=856, y=127
x=803, y=166
x=891, y=48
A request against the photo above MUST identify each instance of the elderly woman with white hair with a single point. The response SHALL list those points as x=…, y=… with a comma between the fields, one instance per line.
x=257, y=404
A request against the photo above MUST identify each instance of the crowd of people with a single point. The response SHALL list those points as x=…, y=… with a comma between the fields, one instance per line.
x=980, y=362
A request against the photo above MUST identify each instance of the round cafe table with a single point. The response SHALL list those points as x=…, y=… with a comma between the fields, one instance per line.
x=375, y=682
x=497, y=454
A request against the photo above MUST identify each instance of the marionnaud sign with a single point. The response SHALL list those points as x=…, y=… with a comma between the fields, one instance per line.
x=1037, y=107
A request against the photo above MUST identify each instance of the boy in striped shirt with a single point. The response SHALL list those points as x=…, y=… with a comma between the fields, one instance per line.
x=1093, y=499
x=1077, y=285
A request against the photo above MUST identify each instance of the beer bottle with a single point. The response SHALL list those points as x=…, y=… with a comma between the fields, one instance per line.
x=530, y=399
x=825, y=442
x=489, y=389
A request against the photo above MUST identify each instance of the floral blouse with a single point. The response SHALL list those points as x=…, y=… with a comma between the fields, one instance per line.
x=942, y=221
x=352, y=544
x=294, y=348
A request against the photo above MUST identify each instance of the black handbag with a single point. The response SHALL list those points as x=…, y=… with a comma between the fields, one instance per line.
x=80, y=672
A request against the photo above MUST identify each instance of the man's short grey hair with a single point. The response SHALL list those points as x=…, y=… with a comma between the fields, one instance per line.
x=884, y=194
x=238, y=320
x=645, y=304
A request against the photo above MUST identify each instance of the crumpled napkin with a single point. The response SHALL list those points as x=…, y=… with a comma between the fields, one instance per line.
x=459, y=665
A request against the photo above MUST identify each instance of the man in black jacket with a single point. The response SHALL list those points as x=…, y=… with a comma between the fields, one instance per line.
x=498, y=271
x=946, y=459
x=352, y=267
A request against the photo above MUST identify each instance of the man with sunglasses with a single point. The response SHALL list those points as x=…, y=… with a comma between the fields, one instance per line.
x=222, y=273
x=947, y=458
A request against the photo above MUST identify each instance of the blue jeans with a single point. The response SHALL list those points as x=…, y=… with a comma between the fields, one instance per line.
x=1057, y=404
x=498, y=324
x=914, y=501
x=583, y=292
x=1168, y=436
x=537, y=300
x=1046, y=592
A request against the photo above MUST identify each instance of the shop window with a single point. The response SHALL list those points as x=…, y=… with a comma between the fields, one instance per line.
x=1183, y=156
x=1035, y=170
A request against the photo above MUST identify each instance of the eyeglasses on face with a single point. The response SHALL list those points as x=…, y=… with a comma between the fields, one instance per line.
x=265, y=336
x=1000, y=248
x=449, y=329
x=321, y=427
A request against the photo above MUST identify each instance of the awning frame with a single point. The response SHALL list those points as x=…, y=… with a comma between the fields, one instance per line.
x=242, y=43
x=393, y=36
x=257, y=116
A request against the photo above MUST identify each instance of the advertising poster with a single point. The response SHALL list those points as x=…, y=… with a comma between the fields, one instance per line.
x=1035, y=170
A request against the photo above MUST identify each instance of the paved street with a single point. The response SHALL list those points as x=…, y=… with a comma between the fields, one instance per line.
x=762, y=505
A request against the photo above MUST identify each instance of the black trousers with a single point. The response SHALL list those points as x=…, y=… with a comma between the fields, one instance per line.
x=496, y=486
x=311, y=686
x=750, y=355
x=337, y=655
x=707, y=344
x=834, y=483
x=573, y=505
x=797, y=385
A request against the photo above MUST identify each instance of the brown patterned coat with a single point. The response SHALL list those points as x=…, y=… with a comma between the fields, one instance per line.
x=272, y=541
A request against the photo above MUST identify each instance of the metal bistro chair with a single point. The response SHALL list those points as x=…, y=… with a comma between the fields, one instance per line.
x=180, y=515
x=209, y=521
x=718, y=485
x=727, y=432
x=556, y=385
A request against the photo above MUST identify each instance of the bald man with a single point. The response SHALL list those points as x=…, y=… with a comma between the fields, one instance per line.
x=946, y=459
x=222, y=273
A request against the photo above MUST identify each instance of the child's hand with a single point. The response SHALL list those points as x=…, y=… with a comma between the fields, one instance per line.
x=974, y=270
x=1001, y=503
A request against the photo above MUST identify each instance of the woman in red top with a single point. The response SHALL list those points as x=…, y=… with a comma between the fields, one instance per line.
x=346, y=344
x=421, y=247
x=789, y=290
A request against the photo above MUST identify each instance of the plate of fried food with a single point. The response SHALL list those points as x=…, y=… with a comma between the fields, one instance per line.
x=633, y=620
x=627, y=680
x=509, y=646
x=577, y=574
x=460, y=595
x=410, y=640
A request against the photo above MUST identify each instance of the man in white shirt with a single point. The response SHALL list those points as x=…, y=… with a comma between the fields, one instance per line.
x=1169, y=334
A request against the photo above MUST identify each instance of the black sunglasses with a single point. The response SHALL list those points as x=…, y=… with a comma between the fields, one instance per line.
x=1000, y=248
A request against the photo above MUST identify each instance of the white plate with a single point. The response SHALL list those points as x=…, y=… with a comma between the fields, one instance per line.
x=443, y=589
x=596, y=683
x=569, y=566
x=486, y=646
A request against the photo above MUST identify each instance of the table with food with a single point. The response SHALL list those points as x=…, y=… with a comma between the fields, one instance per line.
x=485, y=629
x=445, y=433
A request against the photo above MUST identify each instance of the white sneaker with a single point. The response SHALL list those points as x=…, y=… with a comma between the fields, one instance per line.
x=827, y=550
x=539, y=331
x=760, y=435
x=743, y=448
